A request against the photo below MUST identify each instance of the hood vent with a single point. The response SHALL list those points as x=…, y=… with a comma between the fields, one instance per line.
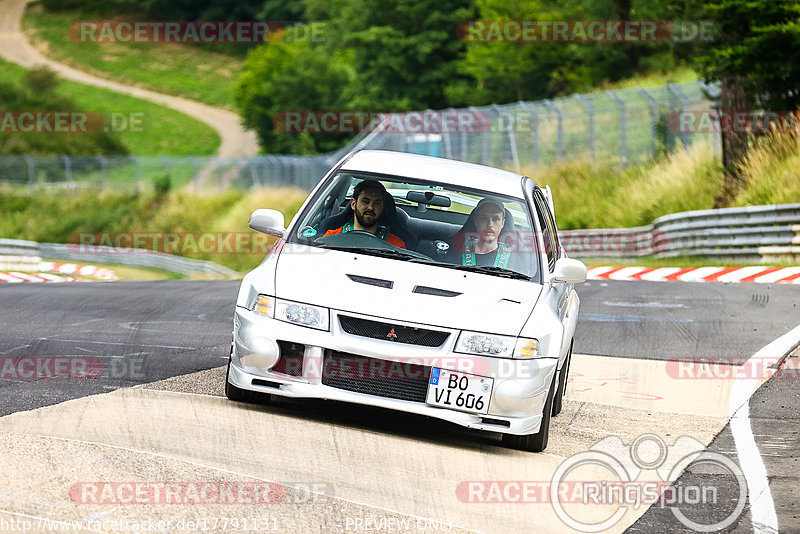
x=388, y=284
x=435, y=291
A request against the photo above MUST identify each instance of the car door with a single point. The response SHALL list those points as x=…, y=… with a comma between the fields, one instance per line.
x=557, y=295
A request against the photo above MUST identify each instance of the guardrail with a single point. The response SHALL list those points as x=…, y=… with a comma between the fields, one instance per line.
x=769, y=233
x=134, y=257
x=18, y=255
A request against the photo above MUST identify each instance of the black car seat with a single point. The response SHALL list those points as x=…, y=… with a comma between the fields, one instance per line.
x=508, y=235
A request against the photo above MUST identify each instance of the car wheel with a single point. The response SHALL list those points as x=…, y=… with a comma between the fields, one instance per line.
x=535, y=442
x=561, y=392
x=243, y=395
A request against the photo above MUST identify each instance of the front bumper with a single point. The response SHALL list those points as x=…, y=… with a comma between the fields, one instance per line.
x=518, y=396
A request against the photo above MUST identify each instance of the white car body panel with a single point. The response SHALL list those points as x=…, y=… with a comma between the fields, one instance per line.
x=486, y=304
x=490, y=304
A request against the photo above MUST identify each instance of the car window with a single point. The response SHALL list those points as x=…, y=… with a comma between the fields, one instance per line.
x=426, y=220
x=546, y=224
x=552, y=225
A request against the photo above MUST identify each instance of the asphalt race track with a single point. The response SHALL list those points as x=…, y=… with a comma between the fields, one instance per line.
x=153, y=412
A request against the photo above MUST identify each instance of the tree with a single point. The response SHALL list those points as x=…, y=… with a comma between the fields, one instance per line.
x=755, y=56
x=292, y=76
x=501, y=71
x=404, y=52
x=38, y=91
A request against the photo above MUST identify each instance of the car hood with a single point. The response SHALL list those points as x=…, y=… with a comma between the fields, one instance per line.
x=346, y=281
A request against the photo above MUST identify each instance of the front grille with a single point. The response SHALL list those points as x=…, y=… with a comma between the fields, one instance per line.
x=390, y=332
x=290, y=361
x=373, y=376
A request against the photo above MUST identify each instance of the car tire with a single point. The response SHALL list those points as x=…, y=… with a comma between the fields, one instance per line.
x=535, y=442
x=243, y=395
x=561, y=392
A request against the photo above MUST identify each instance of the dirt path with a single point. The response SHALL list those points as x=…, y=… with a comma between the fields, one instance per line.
x=14, y=47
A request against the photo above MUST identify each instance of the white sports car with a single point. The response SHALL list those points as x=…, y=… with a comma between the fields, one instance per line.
x=418, y=284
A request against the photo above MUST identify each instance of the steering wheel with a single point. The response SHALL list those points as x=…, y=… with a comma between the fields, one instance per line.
x=364, y=232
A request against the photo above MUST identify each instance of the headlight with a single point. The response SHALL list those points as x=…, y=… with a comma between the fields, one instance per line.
x=527, y=348
x=485, y=344
x=499, y=346
x=264, y=305
x=292, y=312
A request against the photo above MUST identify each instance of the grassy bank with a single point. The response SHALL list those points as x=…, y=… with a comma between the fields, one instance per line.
x=586, y=196
x=600, y=195
x=176, y=69
x=163, y=131
x=58, y=216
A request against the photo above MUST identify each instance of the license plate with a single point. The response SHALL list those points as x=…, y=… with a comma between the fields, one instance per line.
x=459, y=391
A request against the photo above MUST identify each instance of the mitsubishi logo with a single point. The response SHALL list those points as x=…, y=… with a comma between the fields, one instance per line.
x=392, y=335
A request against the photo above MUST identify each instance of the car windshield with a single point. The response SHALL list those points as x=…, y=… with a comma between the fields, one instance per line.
x=422, y=222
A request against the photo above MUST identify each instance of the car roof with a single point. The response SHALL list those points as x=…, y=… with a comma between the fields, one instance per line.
x=445, y=171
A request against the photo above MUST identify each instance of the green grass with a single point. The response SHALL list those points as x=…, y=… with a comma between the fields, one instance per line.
x=602, y=195
x=60, y=216
x=654, y=79
x=176, y=69
x=163, y=131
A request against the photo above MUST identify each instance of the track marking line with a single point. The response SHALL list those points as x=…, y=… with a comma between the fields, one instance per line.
x=116, y=343
x=762, y=506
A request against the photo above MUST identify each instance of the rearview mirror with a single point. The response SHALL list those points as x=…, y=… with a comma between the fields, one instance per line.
x=268, y=221
x=569, y=271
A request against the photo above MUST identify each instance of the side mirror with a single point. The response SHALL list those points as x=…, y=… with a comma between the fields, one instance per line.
x=268, y=221
x=569, y=271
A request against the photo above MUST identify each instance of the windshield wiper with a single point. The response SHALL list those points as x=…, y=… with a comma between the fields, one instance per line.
x=385, y=252
x=391, y=253
x=496, y=271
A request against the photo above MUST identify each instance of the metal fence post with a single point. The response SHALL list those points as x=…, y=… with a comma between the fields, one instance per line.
x=446, y=136
x=623, y=148
x=713, y=93
x=31, y=171
x=512, y=141
x=590, y=126
x=67, y=167
x=560, y=132
x=137, y=170
x=485, y=144
x=675, y=90
x=534, y=130
x=653, y=119
x=104, y=167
